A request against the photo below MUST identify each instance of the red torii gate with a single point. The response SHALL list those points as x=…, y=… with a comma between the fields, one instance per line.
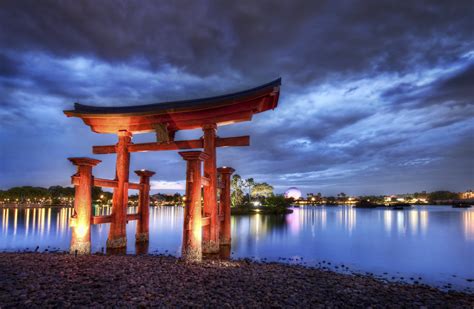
x=204, y=230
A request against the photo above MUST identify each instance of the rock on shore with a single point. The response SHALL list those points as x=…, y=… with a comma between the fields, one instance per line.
x=62, y=280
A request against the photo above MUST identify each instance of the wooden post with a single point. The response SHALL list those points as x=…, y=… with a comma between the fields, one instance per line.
x=81, y=219
x=117, y=233
x=192, y=229
x=225, y=233
x=210, y=232
x=142, y=234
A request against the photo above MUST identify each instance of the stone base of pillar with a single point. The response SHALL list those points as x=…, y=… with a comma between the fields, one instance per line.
x=116, y=251
x=192, y=255
x=210, y=247
x=225, y=241
x=224, y=252
x=141, y=248
x=80, y=247
x=117, y=242
x=142, y=237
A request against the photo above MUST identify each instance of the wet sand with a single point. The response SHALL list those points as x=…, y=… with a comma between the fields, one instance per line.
x=54, y=279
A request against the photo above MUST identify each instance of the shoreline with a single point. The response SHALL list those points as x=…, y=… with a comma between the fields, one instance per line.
x=58, y=279
x=235, y=209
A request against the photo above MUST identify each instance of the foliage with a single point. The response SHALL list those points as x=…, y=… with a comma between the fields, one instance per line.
x=372, y=198
x=237, y=195
x=262, y=190
x=278, y=201
x=342, y=196
x=420, y=195
x=58, y=191
x=443, y=195
x=24, y=193
x=53, y=194
x=167, y=199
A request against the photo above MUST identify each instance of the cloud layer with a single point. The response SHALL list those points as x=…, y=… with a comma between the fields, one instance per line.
x=377, y=96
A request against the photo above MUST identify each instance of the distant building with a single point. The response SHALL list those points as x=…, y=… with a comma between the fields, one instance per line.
x=391, y=198
x=293, y=192
x=469, y=194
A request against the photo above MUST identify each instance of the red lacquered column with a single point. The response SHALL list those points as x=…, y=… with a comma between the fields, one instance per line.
x=210, y=232
x=81, y=219
x=117, y=233
x=225, y=233
x=192, y=229
x=142, y=234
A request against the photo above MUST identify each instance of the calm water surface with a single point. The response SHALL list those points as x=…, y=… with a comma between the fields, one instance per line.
x=435, y=243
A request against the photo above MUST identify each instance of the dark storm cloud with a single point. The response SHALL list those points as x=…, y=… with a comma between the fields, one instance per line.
x=454, y=89
x=307, y=39
x=8, y=66
x=369, y=87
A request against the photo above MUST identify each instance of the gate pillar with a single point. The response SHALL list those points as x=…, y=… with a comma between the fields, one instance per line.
x=117, y=234
x=81, y=219
x=211, y=232
x=225, y=231
x=142, y=234
x=192, y=229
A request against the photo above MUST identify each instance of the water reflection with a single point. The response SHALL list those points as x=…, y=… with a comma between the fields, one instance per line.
x=411, y=241
x=468, y=225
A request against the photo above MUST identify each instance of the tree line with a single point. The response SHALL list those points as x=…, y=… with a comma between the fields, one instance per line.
x=53, y=194
x=248, y=192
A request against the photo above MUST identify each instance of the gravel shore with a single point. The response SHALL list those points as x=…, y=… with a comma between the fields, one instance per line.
x=62, y=280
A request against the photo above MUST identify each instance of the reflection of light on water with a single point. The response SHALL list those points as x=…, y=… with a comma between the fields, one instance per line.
x=350, y=218
x=468, y=225
x=401, y=223
x=57, y=221
x=293, y=221
x=5, y=221
x=34, y=221
x=413, y=218
x=339, y=216
x=423, y=221
x=41, y=217
x=27, y=222
x=346, y=217
x=15, y=221
x=323, y=218
x=63, y=217
x=387, y=221
x=49, y=220
x=257, y=225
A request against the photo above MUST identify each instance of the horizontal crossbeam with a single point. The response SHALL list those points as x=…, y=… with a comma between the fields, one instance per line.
x=108, y=219
x=205, y=221
x=107, y=183
x=176, y=145
x=205, y=181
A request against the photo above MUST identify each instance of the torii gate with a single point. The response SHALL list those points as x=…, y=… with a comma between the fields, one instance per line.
x=204, y=230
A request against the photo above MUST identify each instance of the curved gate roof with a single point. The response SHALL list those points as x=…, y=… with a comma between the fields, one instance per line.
x=180, y=115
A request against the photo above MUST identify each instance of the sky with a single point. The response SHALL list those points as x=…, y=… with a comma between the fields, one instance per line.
x=377, y=97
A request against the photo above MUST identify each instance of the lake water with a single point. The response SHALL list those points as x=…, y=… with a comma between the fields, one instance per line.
x=434, y=243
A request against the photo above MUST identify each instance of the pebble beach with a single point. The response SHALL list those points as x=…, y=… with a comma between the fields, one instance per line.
x=63, y=280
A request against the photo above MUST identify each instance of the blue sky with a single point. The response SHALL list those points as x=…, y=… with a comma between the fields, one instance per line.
x=377, y=96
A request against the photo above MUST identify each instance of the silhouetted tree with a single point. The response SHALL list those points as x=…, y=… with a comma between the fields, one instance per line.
x=237, y=195
x=262, y=190
x=443, y=195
